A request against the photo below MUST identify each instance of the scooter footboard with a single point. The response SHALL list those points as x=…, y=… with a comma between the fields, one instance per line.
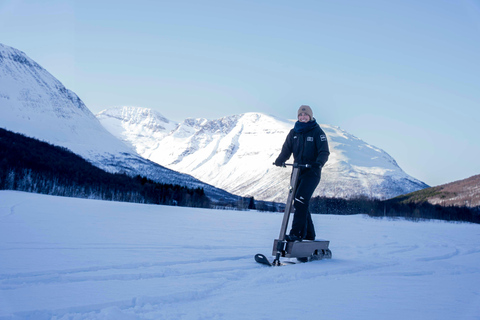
x=302, y=249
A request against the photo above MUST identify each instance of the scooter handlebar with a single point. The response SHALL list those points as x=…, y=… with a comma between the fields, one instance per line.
x=296, y=165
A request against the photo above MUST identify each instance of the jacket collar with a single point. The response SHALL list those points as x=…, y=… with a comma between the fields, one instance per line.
x=301, y=127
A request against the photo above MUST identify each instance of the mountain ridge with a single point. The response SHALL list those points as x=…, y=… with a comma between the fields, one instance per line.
x=34, y=103
x=236, y=153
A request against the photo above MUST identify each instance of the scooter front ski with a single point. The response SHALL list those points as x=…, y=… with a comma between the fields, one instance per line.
x=260, y=258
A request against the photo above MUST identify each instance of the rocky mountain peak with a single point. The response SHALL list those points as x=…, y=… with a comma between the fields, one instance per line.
x=236, y=152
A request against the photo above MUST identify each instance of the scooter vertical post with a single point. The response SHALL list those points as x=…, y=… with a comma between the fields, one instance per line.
x=289, y=203
x=286, y=215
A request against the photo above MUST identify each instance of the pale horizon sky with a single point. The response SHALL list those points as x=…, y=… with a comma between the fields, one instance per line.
x=403, y=76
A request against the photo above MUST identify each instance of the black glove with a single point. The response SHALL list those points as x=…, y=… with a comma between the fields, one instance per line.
x=279, y=163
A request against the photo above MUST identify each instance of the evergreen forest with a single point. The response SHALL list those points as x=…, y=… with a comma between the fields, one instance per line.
x=30, y=165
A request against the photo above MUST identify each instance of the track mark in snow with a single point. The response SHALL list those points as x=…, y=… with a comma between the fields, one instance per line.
x=110, y=247
x=472, y=251
x=142, y=307
x=403, y=249
x=441, y=257
x=10, y=210
x=407, y=273
x=153, y=307
x=137, y=272
x=123, y=266
x=331, y=268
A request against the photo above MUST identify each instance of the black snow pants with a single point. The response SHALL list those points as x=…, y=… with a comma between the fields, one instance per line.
x=302, y=225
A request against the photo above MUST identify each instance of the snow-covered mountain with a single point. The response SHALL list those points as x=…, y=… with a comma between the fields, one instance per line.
x=236, y=153
x=36, y=104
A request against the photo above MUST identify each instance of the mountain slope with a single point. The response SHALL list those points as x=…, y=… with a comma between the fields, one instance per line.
x=35, y=103
x=460, y=193
x=236, y=153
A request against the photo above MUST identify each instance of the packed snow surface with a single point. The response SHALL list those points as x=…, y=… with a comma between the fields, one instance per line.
x=66, y=258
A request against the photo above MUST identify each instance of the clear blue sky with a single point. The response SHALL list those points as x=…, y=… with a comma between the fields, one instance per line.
x=401, y=75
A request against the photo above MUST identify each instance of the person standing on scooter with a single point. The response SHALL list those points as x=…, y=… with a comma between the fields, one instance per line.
x=308, y=144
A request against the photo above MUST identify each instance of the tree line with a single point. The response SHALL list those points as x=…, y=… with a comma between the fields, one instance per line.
x=30, y=165
x=394, y=208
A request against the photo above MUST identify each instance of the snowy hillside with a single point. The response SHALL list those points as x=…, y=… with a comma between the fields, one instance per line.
x=36, y=104
x=65, y=258
x=236, y=153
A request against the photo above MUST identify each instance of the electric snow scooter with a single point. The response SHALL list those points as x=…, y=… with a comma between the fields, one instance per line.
x=303, y=250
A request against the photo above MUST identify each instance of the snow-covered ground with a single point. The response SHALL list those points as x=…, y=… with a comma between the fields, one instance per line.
x=64, y=258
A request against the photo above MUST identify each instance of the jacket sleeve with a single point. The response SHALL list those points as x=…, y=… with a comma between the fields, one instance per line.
x=322, y=148
x=286, y=149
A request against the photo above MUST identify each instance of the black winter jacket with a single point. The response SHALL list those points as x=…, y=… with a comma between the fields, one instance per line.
x=310, y=147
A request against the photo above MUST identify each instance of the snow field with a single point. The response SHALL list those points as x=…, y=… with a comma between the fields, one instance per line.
x=65, y=258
